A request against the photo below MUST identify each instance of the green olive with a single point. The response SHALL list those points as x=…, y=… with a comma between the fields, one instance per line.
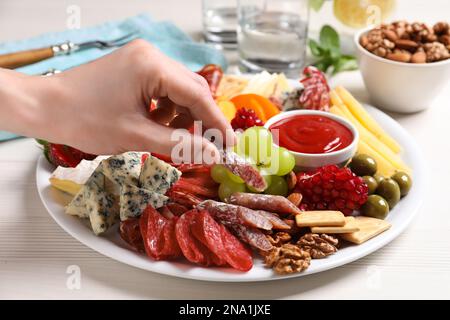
x=378, y=177
x=390, y=191
x=363, y=165
x=371, y=183
x=375, y=207
x=404, y=182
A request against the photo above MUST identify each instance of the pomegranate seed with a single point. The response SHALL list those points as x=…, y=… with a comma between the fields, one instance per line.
x=332, y=188
x=321, y=206
x=245, y=118
x=318, y=190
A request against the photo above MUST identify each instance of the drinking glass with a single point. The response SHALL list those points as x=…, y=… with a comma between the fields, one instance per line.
x=220, y=22
x=272, y=35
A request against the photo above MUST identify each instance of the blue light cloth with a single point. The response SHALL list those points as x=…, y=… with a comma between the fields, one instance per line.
x=164, y=35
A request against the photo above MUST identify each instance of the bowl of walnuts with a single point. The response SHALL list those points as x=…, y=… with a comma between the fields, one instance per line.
x=404, y=65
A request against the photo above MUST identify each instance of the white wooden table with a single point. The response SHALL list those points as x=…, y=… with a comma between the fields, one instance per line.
x=35, y=252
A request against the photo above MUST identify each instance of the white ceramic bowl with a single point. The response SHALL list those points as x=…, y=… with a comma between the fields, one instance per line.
x=399, y=86
x=307, y=161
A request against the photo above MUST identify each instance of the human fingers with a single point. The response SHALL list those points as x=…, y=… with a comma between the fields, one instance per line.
x=192, y=91
x=181, y=145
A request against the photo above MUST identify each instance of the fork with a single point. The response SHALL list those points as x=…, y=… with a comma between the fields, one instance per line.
x=23, y=58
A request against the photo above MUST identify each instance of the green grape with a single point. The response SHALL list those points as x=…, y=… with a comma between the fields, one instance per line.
x=238, y=147
x=227, y=188
x=278, y=186
x=273, y=165
x=286, y=161
x=266, y=177
x=256, y=142
x=219, y=173
x=234, y=177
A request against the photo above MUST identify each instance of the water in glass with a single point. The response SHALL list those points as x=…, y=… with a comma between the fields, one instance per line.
x=272, y=40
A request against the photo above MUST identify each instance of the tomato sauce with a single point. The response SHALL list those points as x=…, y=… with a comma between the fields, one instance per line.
x=311, y=134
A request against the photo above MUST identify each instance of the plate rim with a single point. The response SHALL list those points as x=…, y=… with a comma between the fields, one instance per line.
x=337, y=261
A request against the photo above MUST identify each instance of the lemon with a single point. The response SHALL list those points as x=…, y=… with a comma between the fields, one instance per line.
x=361, y=13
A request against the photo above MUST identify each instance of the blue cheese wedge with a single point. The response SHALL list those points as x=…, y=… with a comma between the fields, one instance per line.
x=157, y=175
x=122, y=169
x=93, y=202
x=77, y=206
x=120, y=187
x=101, y=206
x=133, y=200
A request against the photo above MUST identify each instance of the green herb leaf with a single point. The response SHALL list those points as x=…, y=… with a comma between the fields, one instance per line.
x=316, y=4
x=329, y=54
x=316, y=49
x=345, y=63
x=324, y=64
x=329, y=39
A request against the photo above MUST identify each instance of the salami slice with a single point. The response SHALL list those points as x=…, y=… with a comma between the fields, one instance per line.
x=236, y=251
x=212, y=74
x=171, y=248
x=266, y=202
x=130, y=232
x=151, y=224
x=165, y=212
x=184, y=198
x=192, y=249
x=221, y=242
x=194, y=168
x=240, y=167
x=254, y=237
x=277, y=222
x=176, y=208
x=229, y=214
x=200, y=179
x=158, y=234
x=190, y=185
x=254, y=219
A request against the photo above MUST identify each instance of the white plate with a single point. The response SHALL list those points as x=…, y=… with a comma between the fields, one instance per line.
x=112, y=246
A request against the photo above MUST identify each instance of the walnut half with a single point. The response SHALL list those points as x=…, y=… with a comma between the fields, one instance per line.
x=279, y=238
x=318, y=246
x=288, y=258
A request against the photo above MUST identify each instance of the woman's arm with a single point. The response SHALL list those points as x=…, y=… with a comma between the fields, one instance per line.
x=102, y=107
x=20, y=102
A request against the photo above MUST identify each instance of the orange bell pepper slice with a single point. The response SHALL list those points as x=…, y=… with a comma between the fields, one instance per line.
x=228, y=109
x=262, y=106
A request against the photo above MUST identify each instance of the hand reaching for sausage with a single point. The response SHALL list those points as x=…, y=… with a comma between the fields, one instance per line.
x=102, y=107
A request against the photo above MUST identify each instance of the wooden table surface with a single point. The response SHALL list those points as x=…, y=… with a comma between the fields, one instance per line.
x=35, y=253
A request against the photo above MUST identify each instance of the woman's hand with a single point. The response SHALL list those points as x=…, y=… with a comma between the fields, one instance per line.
x=102, y=107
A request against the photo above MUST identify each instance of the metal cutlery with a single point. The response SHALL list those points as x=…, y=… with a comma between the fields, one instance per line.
x=23, y=58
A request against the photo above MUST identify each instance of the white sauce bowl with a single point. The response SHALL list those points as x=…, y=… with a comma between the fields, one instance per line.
x=309, y=161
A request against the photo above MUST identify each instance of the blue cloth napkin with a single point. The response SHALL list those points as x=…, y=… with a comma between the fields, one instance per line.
x=164, y=35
